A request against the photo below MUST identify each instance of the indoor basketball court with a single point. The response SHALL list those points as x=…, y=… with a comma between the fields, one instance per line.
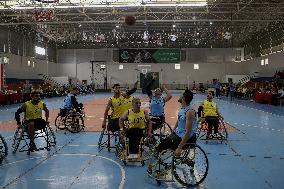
x=92, y=70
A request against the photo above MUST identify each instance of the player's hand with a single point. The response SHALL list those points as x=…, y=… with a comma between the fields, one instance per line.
x=178, y=152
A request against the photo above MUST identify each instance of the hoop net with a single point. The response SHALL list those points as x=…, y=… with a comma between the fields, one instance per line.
x=144, y=69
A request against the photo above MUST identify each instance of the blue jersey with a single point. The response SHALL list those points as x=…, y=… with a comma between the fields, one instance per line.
x=157, y=106
x=67, y=103
x=181, y=129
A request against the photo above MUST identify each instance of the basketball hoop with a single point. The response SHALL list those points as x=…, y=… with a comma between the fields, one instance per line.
x=144, y=71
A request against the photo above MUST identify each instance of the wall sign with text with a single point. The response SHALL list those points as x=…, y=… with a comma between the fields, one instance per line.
x=149, y=55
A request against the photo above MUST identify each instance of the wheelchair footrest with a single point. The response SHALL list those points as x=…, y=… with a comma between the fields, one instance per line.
x=132, y=156
x=165, y=177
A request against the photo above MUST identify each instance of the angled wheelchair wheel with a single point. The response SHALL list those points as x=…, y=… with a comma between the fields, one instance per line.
x=74, y=123
x=100, y=143
x=223, y=131
x=51, y=136
x=59, y=122
x=202, y=130
x=17, y=139
x=165, y=130
x=3, y=148
x=119, y=151
x=192, y=167
x=159, y=165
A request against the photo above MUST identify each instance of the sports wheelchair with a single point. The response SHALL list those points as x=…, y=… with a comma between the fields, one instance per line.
x=190, y=169
x=65, y=119
x=106, y=136
x=142, y=155
x=161, y=129
x=203, y=131
x=3, y=148
x=60, y=118
x=74, y=121
x=21, y=134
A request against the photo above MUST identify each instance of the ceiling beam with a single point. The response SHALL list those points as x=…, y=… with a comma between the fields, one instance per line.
x=142, y=21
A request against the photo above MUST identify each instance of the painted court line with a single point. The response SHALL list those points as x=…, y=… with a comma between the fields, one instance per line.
x=21, y=161
x=92, y=145
x=46, y=179
x=123, y=177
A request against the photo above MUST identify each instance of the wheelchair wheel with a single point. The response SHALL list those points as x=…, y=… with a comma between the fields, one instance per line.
x=51, y=136
x=100, y=143
x=165, y=130
x=223, y=131
x=74, y=123
x=17, y=139
x=202, y=130
x=59, y=122
x=160, y=165
x=192, y=167
x=119, y=151
x=3, y=148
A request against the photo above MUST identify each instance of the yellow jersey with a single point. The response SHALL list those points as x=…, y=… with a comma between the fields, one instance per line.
x=209, y=108
x=33, y=111
x=136, y=120
x=117, y=107
x=127, y=104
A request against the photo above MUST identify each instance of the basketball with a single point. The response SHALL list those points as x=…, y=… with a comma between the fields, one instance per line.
x=130, y=20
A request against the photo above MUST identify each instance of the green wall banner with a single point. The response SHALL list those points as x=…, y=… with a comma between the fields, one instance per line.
x=167, y=56
x=149, y=55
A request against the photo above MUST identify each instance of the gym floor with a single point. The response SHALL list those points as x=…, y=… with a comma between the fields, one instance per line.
x=253, y=156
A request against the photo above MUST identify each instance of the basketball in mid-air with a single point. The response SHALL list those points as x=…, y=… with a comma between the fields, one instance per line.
x=130, y=20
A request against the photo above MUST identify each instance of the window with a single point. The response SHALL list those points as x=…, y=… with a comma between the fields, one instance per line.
x=177, y=66
x=262, y=62
x=266, y=61
x=120, y=67
x=196, y=66
x=33, y=64
x=39, y=50
x=29, y=63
